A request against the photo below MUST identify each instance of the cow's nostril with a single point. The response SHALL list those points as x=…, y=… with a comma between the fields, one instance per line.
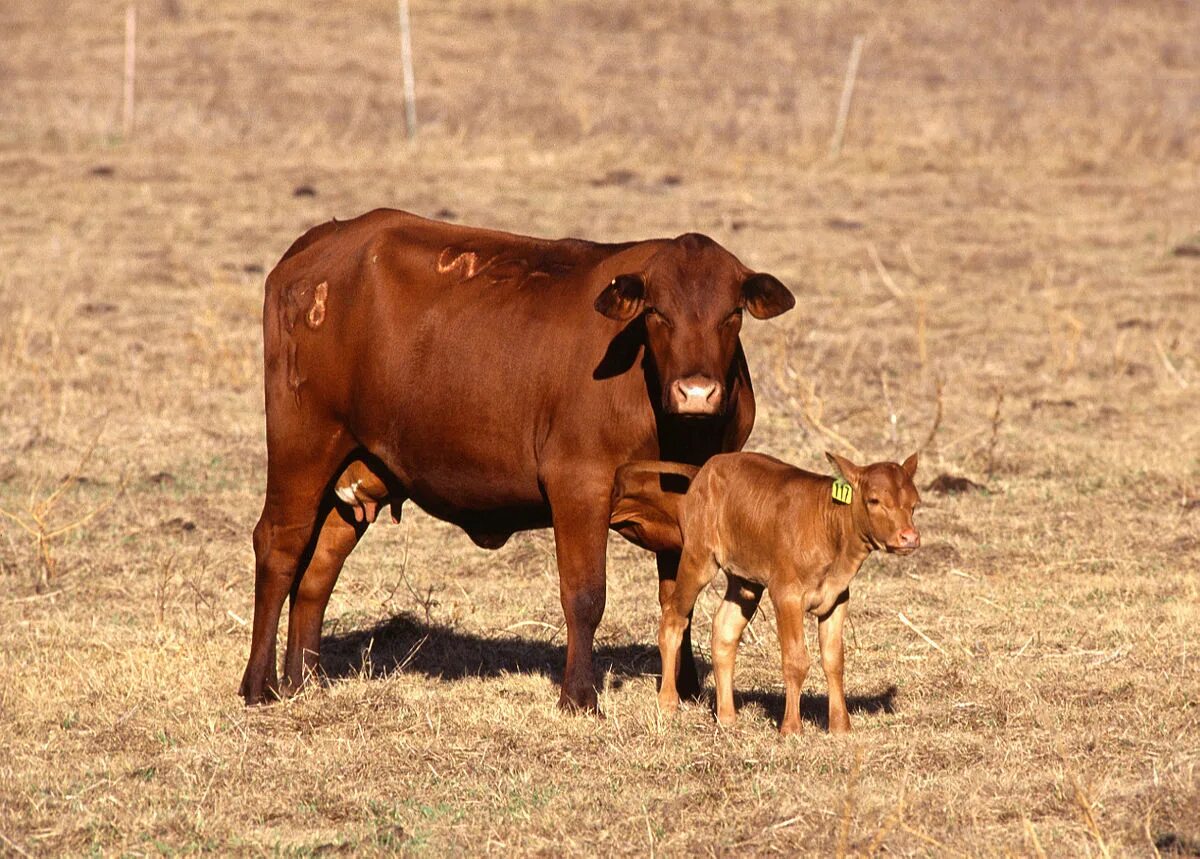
x=696, y=395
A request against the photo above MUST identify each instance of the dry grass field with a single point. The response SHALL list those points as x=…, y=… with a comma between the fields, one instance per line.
x=995, y=270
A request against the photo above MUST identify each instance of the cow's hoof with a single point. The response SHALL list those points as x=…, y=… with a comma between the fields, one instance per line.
x=790, y=729
x=256, y=695
x=580, y=703
x=726, y=720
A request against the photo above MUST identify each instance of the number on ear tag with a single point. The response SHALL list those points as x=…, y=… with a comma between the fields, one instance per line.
x=843, y=492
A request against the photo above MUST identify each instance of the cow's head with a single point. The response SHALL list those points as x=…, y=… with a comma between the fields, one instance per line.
x=883, y=502
x=692, y=294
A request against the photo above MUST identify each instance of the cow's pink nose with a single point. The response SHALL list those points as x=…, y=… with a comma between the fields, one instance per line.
x=696, y=395
x=910, y=538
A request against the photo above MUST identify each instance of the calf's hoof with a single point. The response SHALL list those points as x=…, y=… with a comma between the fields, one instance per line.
x=727, y=720
x=668, y=705
x=791, y=729
x=839, y=727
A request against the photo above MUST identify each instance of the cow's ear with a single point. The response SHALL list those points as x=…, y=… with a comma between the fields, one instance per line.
x=845, y=467
x=623, y=298
x=765, y=296
x=910, y=466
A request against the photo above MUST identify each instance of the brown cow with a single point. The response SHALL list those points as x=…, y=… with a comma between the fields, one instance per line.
x=496, y=380
x=767, y=525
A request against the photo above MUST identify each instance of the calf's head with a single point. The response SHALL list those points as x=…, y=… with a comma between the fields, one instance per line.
x=883, y=502
x=692, y=295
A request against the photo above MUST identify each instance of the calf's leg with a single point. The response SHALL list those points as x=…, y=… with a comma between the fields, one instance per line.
x=736, y=611
x=696, y=569
x=688, y=682
x=829, y=634
x=789, y=612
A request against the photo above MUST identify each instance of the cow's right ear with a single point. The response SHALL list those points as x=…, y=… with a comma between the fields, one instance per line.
x=623, y=298
x=851, y=472
x=766, y=297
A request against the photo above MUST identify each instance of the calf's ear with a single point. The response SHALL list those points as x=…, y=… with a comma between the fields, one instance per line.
x=623, y=298
x=848, y=469
x=910, y=466
x=766, y=297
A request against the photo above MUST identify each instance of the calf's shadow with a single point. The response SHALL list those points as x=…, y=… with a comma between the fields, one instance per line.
x=408, y=643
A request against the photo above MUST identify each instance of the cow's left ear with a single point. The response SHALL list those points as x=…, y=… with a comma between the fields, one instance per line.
x=623, y=298
x=766, y=297
x=910, y=466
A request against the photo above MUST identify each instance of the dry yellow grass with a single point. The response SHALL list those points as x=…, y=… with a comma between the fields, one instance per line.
x=1000, y=227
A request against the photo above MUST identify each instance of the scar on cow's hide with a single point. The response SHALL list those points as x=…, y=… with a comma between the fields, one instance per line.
x=302, y=298
x=453, y=259
x=295, y=380
x=316, y=313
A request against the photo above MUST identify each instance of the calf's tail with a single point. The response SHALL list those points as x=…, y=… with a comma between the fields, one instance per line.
x=646, y=501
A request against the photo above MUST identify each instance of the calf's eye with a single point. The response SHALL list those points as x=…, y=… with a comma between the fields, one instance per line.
x=874, y=502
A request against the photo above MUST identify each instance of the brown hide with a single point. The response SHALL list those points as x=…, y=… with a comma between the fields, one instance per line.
x=646, y=503
x=496, y=380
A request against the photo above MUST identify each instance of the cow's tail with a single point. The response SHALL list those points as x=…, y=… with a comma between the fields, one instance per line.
x=646, y=502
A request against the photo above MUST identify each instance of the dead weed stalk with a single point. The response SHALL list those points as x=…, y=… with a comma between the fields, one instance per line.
x=37, y=519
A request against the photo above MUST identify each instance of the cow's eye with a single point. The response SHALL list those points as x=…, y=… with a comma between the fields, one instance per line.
x=658, y=314
x=874, y=502
x=733, y=317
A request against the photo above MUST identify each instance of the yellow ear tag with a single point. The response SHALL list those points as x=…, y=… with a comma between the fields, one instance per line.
x=842, y=491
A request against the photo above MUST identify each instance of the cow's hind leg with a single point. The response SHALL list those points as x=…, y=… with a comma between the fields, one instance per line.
x=300, y=470
x=310, y=596
x=354, y=504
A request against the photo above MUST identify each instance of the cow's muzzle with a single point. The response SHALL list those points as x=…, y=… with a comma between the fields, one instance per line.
x=699, y=396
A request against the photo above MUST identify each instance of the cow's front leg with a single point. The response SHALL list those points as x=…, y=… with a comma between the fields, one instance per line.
x=580, y=514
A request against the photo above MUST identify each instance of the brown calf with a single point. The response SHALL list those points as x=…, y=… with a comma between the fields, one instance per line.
x=767, y=525
x=495, y=380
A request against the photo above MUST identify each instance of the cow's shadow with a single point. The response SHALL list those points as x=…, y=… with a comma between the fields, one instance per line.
x=407, y=643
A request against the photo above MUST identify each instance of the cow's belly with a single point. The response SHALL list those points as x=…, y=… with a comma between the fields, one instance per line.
x=452, y=466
